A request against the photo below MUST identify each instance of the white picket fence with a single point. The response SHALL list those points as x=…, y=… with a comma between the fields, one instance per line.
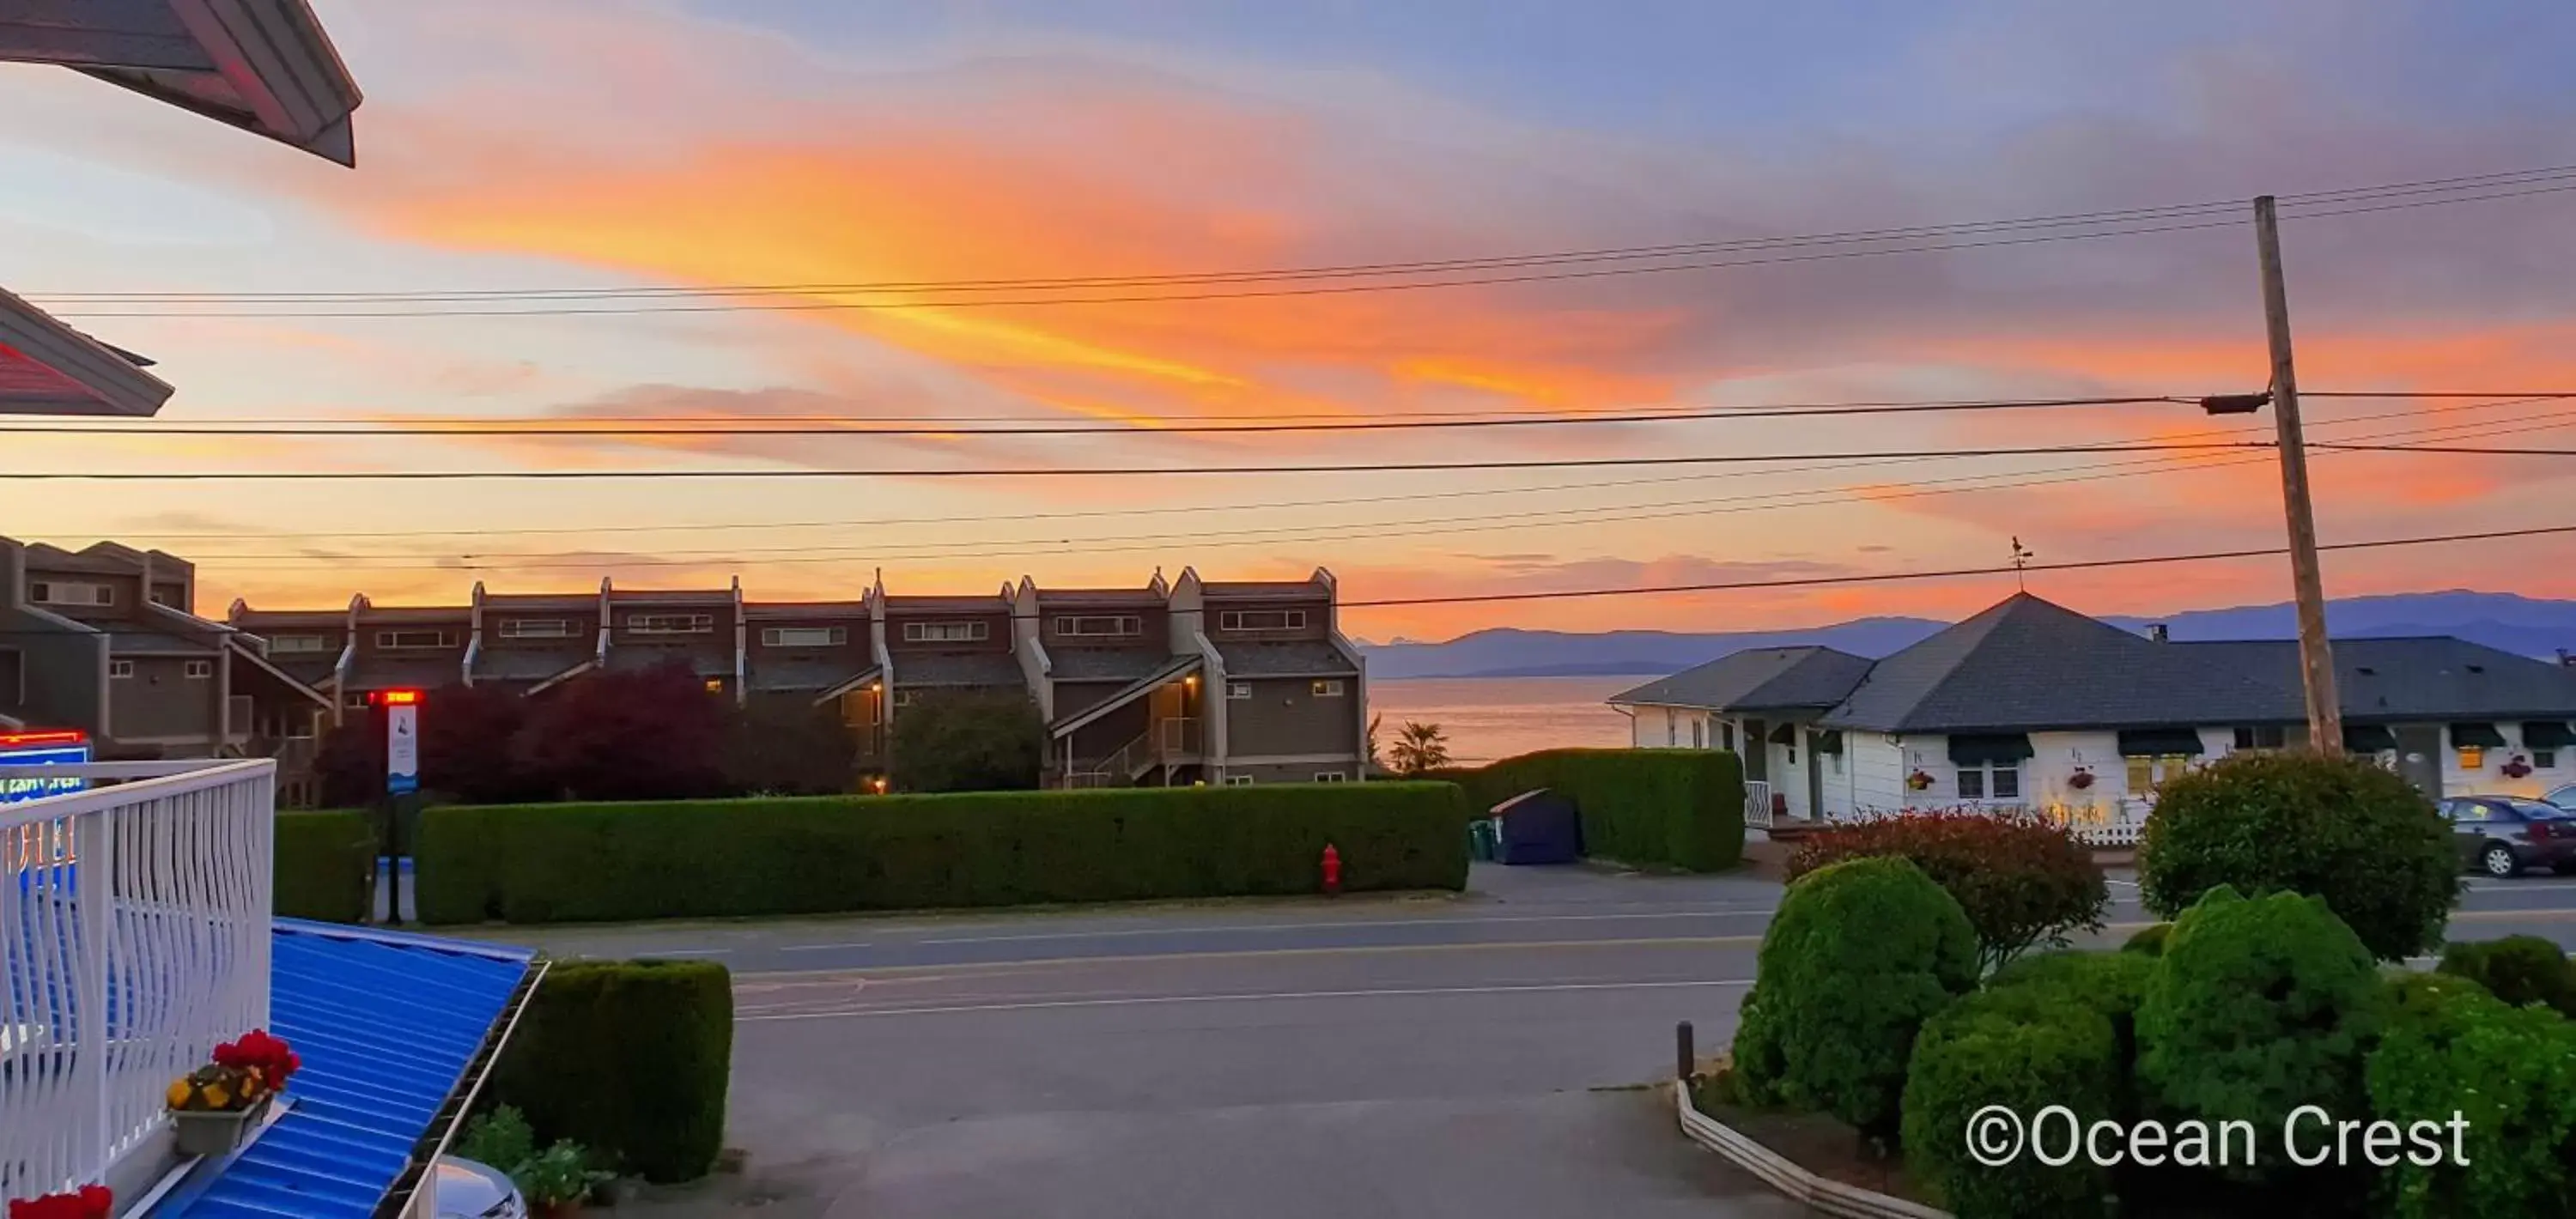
x=134, y=935
x=2116, y=824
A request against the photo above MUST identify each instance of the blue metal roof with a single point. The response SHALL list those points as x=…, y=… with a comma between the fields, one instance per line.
x=387, y=1024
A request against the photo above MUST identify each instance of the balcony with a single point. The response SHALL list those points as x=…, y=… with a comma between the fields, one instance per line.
x=1171, y=741
x=134, y=935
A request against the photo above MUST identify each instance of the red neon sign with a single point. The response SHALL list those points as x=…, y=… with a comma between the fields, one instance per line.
x=398, y=698
x=51, y=736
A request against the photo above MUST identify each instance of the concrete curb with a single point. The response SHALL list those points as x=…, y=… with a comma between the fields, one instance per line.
x=1824, y=1196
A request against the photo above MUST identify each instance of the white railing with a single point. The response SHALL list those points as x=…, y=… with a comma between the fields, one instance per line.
x=1757, y=804
x=134, y=935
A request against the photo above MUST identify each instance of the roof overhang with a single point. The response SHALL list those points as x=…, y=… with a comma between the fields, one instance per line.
x=48, y=368
x=265, y=66
x=869, y=674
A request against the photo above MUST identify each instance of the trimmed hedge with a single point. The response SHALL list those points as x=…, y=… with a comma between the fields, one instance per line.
x=630, y=1059
x=718, y=858
x=2024, y=881
x=2026, y=1046
x=2519, y=969
x=1858, y=957
x=1682, y=807
x=323, y=865
x=2509, y=1072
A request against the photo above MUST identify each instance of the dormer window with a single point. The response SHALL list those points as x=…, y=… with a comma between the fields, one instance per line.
x=972, y=631
x=71, y=592
x=1261, y=620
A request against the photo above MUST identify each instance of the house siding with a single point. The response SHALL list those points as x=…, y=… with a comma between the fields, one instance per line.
x=1284, y=716
x=2489, y=777
x=129, y=594
x=161, y=700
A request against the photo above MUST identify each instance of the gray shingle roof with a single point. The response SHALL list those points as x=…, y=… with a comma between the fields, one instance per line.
x=425, y=673
x=935, y=604
x=309, y=669
x=2029, y=664
x=2412, y=678
x=1298, y=658
x=540, y=601
x=805, y=673
x=1086, y=598
x=1104, y=664
x=816, y=611
x=528, y=664
x=920, y=669
x=635, y=658
x=670, y=596
x=1757, y=679
x=155, y=642
x=1172, y=668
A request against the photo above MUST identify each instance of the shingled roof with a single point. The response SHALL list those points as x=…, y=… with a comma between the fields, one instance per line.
x=1757, y=679
x=2418, y=677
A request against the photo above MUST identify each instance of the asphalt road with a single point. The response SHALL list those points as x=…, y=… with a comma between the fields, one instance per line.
x=1472, y=1055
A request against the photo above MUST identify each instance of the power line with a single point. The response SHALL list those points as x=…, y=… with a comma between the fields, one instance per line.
x=1340, y=289
x=580, y=428
x=1953, y=573
x=2424, y=186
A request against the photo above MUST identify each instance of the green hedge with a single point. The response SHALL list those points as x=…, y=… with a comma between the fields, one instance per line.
x=716, y=858
x=2025, y=1046
x=2519, y=969
x=1683, y=807
x=323, y=864
x=630, y=1059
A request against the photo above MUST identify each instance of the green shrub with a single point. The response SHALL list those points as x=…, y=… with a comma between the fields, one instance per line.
x=2258, y=1007
x=2510, y=1073
x=719, y=858
x=2026, y=1046
x=501, y=1138
x=2518, y=969
x=1681, y=807
x=966, y=742
x=630, y=1059
x=2339, y=828
x=1859, y=955
x=2024, y=881
x=324, y=866
x=2149, y=941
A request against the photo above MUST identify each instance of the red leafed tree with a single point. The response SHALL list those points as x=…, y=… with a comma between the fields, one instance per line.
x=468, y=736
x=651, y=734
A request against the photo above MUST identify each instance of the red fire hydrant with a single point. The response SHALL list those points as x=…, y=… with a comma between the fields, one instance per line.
x=1332, y=870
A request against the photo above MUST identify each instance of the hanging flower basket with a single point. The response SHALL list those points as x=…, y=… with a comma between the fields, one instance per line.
x=2081, y=779
x=216, y=1106
x=88, y=1202
x=1919, y=781
x=2517, y=767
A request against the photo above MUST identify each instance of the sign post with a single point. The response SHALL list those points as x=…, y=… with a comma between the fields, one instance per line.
x=402, y=786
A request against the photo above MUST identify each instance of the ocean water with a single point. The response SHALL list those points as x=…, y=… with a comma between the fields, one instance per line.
x=1496, y=717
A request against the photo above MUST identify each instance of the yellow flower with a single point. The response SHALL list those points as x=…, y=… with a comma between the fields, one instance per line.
x=217, y=1097
x=177, y=1096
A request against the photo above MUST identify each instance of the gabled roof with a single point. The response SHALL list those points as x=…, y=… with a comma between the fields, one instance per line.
x=1102, y=598
x=1757, y=679
x=1104, y=664
x=1294, y=658
x=803, y=611
x=1173, y=669
x=1264, y=590
x=670, y=596
x=932, y=604
x=391, y=1027
x=918, y=669
x=540, y=601
x=98, y=558
x=2424, y=677
x=2028, y=664
x=261, y=65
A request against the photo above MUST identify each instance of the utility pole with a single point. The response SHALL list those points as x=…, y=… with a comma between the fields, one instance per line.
x=2316, y=657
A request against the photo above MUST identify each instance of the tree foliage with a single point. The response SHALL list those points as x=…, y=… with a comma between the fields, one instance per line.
x=2340, y=828
x=1419, y=749
x=2024, y=882
x=966, y=742
x=468, y=736
x=646, y=734
x=788, y=747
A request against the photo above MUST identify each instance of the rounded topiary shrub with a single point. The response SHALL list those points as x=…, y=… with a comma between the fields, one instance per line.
x=2028, y=1047
x=1859, y=955
x=2508, y=1072
x=2259, y=1006
x=2518, y=969
x=2339, y=828
x=2149, y=941
x=2024, y=881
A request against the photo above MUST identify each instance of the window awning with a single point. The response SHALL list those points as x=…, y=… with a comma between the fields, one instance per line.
x=2159, y=742
x=2547, y=734
x=1983, y=749
x=1829, y=741
x=1785, y=734
x=2369, y=738
x=2476, y=736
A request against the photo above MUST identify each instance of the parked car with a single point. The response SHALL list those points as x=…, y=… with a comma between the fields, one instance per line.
x=2564, y=797
x=2502, y=835
x=471, y=1190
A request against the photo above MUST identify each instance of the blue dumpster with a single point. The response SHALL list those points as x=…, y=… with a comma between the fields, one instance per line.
x=1539, y=827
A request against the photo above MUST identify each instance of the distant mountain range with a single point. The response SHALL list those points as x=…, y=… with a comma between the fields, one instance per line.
x=2513, y=623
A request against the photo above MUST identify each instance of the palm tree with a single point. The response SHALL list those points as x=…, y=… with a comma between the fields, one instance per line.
x=1420, y=748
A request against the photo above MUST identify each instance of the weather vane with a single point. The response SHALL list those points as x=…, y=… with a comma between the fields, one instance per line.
x=2021, y=559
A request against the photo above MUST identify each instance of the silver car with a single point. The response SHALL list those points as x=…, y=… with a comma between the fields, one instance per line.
x=2564, y=797
x=471, y=1190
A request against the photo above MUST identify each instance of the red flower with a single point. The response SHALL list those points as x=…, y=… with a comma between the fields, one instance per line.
x=91, y=1202
x=258, y=1050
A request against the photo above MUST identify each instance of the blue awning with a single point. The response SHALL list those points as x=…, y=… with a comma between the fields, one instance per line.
x=388, y=1025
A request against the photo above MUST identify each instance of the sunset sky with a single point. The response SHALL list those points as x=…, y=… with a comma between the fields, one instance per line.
x=513, y=145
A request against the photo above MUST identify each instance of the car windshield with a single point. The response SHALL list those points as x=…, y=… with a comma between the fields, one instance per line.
x=2537, y=810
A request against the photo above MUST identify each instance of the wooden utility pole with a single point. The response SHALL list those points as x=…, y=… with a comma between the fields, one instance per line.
x=2316, y=656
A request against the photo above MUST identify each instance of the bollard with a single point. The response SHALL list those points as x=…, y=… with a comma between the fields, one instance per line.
x=1685, y=1059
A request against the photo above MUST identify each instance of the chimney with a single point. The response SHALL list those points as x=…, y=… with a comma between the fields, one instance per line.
x=2157, y=632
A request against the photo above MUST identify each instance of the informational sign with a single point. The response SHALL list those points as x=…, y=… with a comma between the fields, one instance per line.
x=65, y=747
x=402, y=741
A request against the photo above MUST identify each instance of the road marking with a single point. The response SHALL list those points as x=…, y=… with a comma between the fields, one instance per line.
x=1764, y=912
x=1132, y=958
x=1155, y=1000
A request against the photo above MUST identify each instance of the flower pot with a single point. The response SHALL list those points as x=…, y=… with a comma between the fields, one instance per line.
x=203, y=1133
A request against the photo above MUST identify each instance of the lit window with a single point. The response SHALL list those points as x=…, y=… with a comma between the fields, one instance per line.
x=397, y=641
x=536, y=628
x=1330, y=776
x=1261, y=620
x=1330, y=688
x=715, y=685
x=804, y=636
x=199, y=670
x=947, y=632
x=1238, y=689
x=120, y=668
x=2473, y=757
x=1100, y=625
x=670, y=624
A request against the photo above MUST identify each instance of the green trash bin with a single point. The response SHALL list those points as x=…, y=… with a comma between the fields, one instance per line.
x=1480, y=840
